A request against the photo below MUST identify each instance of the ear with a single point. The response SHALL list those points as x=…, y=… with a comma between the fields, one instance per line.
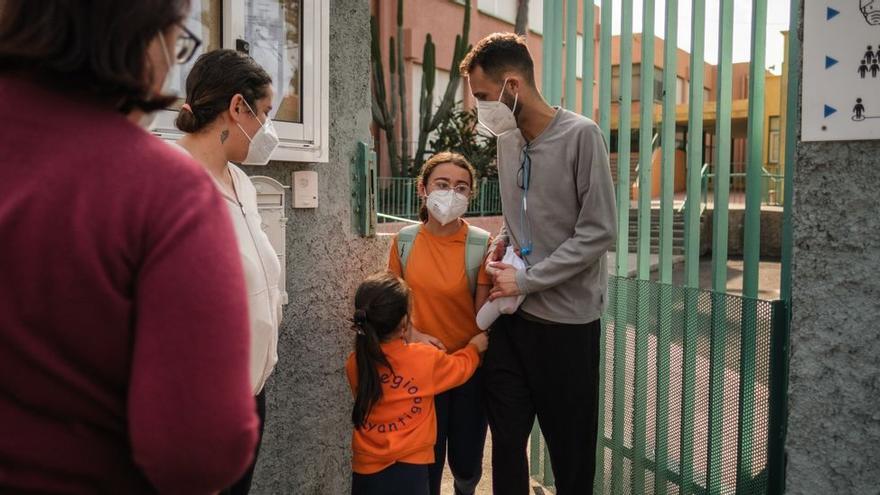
x=420, y=189
x=514, y=84
x=235, y=108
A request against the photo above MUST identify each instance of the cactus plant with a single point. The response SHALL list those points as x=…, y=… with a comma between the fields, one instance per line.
x=385, y=112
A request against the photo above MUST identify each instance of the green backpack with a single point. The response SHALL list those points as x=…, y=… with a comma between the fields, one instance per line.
x=475, y=250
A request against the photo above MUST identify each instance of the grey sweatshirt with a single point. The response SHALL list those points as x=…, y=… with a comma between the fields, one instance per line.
x=570, y=213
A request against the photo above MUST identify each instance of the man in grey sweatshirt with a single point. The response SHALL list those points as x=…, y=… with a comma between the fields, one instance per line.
x=559, y=212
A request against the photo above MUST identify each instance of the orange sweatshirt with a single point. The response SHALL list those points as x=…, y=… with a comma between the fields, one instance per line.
x=402, y=426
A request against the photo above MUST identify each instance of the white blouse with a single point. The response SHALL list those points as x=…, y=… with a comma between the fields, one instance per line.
x=262, y=272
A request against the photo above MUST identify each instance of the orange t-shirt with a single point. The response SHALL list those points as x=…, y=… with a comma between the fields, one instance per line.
x=442, y=302
x=402, y=426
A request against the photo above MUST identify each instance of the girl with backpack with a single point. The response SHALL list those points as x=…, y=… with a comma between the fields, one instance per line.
x=441, y=260
x=394, y=385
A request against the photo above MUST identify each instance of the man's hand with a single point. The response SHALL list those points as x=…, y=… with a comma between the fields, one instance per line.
x=505, y=281
x=417, y=336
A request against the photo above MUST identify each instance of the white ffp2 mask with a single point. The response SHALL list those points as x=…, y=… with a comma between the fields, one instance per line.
x=446, y=206
x=495, y=116
x=262, y=144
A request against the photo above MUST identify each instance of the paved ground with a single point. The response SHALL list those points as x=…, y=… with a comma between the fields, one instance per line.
x=485, y=486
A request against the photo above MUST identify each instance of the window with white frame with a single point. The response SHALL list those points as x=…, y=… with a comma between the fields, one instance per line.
x=502, y=9
x=580, y=57
x=288, y=38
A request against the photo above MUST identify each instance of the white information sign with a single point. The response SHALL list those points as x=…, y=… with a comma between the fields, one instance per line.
x=841, y=71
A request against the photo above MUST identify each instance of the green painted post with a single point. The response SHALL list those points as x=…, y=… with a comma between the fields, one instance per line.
x=752, y=238
x=667, y=185
x=719, y=245
x=571, y=20
x=695, y=145
x=778, y=396
x=587, y=60
x=623, y=183
x=791, y=120
x=754, y=159
x=605, y=125
x=692, y=241
x=556, y=73
x=646, y=133
x=667, y=141
x=605, y=69
x=547, y=51
x=722, y=142
x=624, y=136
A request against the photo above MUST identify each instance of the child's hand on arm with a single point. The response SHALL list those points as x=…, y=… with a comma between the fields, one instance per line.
x=481, y=341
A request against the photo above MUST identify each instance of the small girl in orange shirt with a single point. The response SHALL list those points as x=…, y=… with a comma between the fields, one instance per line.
x=394, y=384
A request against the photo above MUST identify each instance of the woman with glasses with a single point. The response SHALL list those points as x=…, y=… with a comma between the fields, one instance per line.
x=123, y=317
x=226, y=119
x=442, y=261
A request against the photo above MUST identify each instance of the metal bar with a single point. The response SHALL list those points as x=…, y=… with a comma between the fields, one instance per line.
x=754, y=160
x=588, y=59
x=778, y=394
x=605, y=69
x=571, y=20
x=667, y=141
x=747, y=377
x=719, y=246
x=646, y=133
x=396, y=219
x=695, y=145
x=723, y=139
x=792, y=118
x=692, y=240
x=618, y=412
x=546, y=51
x=556, y=73
x=624, y=135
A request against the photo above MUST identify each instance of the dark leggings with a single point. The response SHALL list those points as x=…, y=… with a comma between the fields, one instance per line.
x=243, y=485
x=397, y=479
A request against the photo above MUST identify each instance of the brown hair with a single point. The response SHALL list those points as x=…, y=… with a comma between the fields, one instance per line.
x=98, y=48
x=437, y=160
x=381, y=301
x=500, y=52
x=215, y=78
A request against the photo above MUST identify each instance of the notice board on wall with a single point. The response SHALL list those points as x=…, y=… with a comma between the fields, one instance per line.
x=841, y=70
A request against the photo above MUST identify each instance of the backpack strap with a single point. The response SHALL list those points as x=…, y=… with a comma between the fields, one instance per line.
x=476, y=246
x=405, y=240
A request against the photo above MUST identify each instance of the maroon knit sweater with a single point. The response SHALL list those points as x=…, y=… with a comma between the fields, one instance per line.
x=123, y=318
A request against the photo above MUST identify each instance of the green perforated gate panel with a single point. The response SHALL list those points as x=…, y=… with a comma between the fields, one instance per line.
x=686, y=395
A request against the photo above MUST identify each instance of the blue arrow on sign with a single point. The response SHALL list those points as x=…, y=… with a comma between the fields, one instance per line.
x=830, y=61
x=829, y=111
x=831, y=14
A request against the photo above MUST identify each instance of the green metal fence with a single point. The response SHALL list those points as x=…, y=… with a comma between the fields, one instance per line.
x=694, y=380
x=398, y=197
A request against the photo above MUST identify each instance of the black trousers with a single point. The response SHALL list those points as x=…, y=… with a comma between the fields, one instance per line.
x=461, y=430
x=552, y=371
x=243, y=485
x=397, y=479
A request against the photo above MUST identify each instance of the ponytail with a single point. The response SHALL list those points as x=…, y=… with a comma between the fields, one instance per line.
x=382, y=301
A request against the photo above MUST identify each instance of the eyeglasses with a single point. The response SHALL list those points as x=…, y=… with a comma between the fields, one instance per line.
x=443, y=185
x=525, y=169
x=186, y=45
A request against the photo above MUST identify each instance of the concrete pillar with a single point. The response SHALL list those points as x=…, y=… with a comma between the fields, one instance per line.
x=306, y=447
x=834, y=424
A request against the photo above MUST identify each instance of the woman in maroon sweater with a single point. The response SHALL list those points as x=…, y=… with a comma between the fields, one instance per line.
x=123, y=318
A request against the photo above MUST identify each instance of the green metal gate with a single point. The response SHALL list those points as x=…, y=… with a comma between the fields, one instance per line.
x=694, y=381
